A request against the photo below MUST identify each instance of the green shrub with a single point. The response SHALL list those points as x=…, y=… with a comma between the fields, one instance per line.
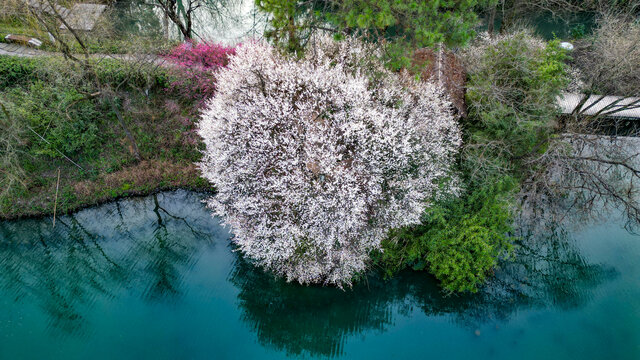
x=460, y=240
x=513, y=83
x=511, y=95
x=59, y=115
x=120, y=74
x=16, y=71
x=578, y=31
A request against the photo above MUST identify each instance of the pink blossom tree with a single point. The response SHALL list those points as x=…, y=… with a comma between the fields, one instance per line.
x=194, y=65
x=314, y=160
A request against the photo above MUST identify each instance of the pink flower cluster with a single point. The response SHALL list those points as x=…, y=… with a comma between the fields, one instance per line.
x=195, y=67
x=203, y=55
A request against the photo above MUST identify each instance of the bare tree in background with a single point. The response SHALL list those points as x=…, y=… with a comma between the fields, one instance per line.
x=182, y=13
x=610, y=63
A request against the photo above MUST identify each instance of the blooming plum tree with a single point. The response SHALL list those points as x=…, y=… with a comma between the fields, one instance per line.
x=314, y=160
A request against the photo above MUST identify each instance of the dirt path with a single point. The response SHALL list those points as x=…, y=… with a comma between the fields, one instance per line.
x=25, y=51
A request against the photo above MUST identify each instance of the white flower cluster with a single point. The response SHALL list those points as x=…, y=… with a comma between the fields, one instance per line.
x=314, y=162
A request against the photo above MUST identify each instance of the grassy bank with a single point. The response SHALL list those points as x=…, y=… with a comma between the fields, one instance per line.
x=51, y=121
x=76, y=193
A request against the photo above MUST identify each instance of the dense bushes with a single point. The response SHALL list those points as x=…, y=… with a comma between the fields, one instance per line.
x=459, y=241
x=513, y=81
x=18, y=71
x=131, y=76
x=53, y=100
x=57, y=114
x=57, y=109
x=15, y=71
x=511, y=98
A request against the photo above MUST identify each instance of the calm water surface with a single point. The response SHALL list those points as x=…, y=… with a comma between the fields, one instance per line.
x=155, y=278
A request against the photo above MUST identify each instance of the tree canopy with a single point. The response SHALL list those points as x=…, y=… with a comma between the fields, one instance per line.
x=314, y=160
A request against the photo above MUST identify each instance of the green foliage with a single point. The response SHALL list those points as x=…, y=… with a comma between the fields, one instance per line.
x=123, y=76
x=60, y=101
x=12, y=174
x=459, y=241
x=420, y=23
x=401, y=25
x=59, y=115
x=15, y=71
x=287, y=23
x=511, y=96
x=578, y=31
x=407, y=25
x=513, y=82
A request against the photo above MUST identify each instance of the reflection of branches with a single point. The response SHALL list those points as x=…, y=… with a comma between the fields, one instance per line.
x=550, y=270
x=62, y=279
x=585, y=176
x=307, y=320
x=163, y=258
x=74, y=265
x=158, y=207
x=165, y=255
x=67, y=268
x=93, y=239
x=318, y=320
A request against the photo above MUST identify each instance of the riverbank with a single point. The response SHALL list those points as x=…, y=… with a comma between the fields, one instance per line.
x=145, y=178
x=49, y=124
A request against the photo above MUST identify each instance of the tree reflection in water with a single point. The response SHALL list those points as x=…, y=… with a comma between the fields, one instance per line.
x=146, y=248
x=318, y=320
x=130, y=245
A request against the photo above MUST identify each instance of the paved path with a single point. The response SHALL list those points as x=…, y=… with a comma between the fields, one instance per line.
x=608, y=106
x=25, y=51
x=20, y=50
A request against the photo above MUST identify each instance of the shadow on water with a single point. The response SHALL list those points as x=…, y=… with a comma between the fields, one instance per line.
x=131, y=245
x=147, y=247
x=317, y=321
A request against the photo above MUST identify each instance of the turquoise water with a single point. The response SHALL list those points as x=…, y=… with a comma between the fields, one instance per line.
x=155, y=278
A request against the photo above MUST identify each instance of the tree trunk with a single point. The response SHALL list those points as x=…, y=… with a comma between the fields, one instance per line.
x=165, y=26
x=294, y=43
x=491, y=22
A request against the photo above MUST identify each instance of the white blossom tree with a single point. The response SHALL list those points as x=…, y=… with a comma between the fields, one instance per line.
x=314, y=160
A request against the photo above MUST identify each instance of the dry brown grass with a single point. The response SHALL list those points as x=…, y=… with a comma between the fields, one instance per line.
x=612, y=63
